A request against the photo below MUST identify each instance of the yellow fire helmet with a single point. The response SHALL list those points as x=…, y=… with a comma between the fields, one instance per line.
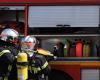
x=44, y=52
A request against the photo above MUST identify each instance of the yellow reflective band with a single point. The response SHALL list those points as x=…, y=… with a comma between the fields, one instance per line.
x=6, y=78
x=45, y=65
x=29, y=67
x=9, y=67
x=36, y=69
x=4, y=51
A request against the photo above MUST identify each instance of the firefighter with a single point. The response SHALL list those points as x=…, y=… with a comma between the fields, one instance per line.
x=38, y=65
x=8, y=54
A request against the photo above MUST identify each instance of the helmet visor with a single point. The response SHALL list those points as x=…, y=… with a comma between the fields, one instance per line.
x=27, y=45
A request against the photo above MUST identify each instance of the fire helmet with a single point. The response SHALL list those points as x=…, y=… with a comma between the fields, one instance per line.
x=28, y=42
x=9, y=34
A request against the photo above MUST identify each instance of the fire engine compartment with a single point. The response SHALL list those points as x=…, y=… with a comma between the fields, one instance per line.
x=74, y=67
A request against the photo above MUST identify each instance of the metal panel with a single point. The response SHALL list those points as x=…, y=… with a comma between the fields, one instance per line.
x=74, y=16
x=12, y=7
x=90, y=74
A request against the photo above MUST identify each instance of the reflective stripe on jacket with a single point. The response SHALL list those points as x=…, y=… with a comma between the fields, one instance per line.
x=37, y=69
x=3, y=52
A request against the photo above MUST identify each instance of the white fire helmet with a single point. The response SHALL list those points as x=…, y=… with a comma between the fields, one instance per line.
x=9, y=34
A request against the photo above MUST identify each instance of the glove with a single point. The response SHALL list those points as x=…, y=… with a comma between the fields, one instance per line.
x=55, y=57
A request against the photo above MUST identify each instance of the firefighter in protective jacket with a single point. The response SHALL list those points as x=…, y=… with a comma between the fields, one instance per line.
x=38, y=64
x=8, y=54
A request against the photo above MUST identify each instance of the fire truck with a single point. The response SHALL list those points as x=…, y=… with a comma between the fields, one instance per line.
x=74, y=23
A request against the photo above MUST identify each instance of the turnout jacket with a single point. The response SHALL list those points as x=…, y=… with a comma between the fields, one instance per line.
x=8, y=53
